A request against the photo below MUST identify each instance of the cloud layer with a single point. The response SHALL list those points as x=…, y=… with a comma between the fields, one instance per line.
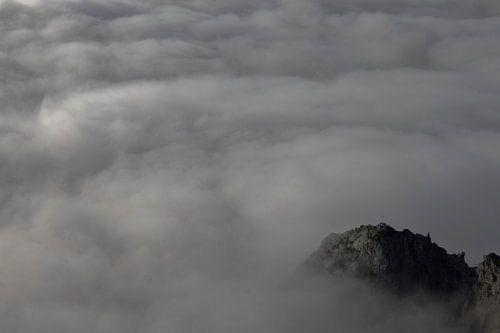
x=161, y=159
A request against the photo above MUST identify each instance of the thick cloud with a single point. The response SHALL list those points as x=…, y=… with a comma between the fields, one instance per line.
x=165, y=163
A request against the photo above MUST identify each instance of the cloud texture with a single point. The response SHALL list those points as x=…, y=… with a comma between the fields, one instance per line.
x=162, y=161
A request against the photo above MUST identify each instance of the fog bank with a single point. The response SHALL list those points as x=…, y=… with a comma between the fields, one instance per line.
x=166, y=164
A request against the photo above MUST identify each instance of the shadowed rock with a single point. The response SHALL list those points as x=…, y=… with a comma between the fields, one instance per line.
x=486, y=307
x=407, y=263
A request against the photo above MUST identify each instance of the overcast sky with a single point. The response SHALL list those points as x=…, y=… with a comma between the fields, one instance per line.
x=154, y=151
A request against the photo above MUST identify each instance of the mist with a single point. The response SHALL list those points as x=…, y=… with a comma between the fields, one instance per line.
x=165, y=166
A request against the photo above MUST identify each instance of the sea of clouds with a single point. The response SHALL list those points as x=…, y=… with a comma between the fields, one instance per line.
x=164, y=164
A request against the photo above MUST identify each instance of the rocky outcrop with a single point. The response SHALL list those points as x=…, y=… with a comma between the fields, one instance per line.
x=486, y=307
x=487, y=282
x=407, y=263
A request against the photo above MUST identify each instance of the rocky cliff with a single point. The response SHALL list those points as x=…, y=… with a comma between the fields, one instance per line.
x=486, y=294
x=407, y=263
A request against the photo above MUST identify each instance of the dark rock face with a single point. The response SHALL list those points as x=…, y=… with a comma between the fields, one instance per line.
x=407, y=263
x=487, y=282
x=401, y=260
x=486, y=308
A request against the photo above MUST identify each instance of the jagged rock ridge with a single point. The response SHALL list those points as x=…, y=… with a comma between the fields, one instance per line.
x=405, y=263
x=486, y=296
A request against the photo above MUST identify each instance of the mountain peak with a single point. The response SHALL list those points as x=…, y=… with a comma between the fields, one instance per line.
x=400, y=260
x=405, y=263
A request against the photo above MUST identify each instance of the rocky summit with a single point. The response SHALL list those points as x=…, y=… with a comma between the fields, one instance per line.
x=406, y=263
x=486, y=294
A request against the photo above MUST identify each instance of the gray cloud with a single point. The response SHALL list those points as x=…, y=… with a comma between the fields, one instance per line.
x=164, y=163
